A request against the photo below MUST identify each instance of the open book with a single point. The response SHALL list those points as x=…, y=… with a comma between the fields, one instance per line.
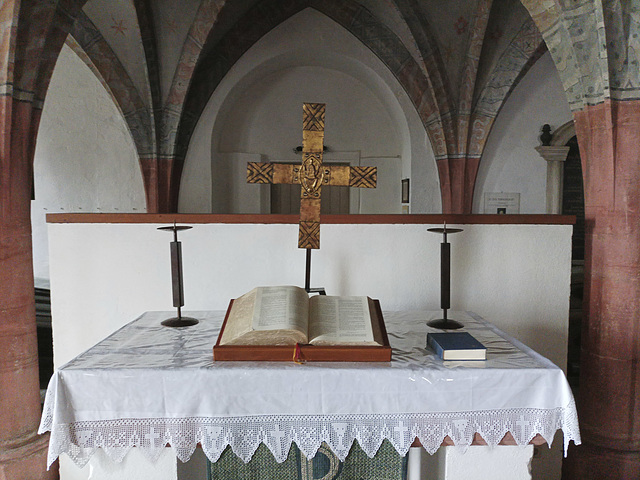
x=286, y=316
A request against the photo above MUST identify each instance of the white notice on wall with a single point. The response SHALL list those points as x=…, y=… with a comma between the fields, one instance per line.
x=507, y=203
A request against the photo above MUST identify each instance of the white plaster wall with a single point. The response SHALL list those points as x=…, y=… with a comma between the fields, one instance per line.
x=387, y=196
x=510, y=162
x=267, y=116
x=231, y=192
x=257, y=109
x=85, y=159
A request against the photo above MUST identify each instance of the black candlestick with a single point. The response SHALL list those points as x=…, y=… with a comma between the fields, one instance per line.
x=176, y=280
x=307, y=277
x=445, y=323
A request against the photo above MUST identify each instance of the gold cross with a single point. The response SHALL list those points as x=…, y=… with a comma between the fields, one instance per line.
x=311, y=174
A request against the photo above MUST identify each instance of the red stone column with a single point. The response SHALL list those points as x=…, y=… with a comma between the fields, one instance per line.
x=457, y=182
x=609, y=397
x=161, y=184
x=149, y=167
x=22, y=450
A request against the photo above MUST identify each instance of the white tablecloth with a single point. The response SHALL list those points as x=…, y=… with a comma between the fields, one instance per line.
x=147, y=386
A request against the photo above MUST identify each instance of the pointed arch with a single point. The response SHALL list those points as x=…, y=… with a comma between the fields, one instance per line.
x=459, y=168
x=98, y=55
x=162, y=175
x=523, y=51
x=580, y=60
x=100, y=58
x=149, y=40
x=267, y=14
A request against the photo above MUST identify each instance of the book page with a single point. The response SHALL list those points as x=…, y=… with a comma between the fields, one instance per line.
x=240, y=316
x=268, y=316
x=340, y=320
x=281, y=308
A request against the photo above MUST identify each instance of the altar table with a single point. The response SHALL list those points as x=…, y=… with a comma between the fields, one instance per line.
x=149, y=386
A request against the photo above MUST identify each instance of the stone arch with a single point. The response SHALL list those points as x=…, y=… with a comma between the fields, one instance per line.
x=153, y=127
x=523, y=51
x=269, y=13
x=564, y=133
x=87, y=41
x=269, y=58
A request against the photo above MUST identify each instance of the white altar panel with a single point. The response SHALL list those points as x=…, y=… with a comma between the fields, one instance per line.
x=103, y=275
x=486, y=463
x=134, y=467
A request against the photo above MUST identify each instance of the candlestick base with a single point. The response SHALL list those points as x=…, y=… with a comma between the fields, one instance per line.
x=445, y=324
x=179, y=322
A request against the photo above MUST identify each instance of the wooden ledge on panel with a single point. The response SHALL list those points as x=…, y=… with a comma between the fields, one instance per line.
x=392, y=219
x=478, y=440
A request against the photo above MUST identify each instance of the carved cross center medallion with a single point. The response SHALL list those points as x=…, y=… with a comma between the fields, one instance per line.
x=312, y=175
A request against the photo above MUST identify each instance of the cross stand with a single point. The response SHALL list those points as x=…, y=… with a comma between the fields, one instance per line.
x=445, y=323
x=307, y=277
x=176, y=280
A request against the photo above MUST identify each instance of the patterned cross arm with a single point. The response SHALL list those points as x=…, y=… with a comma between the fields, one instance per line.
x=271, y=173
x=362, y=177
x=309, y=235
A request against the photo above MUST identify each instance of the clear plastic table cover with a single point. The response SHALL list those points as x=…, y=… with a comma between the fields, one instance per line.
x=148, y=386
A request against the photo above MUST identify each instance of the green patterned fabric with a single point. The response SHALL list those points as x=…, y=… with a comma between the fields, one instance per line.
x=387, y=464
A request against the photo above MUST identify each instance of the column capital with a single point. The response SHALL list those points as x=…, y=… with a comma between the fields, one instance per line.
x=553, y=153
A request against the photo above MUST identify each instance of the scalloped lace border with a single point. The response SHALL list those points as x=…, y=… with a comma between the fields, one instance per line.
x=79, y=440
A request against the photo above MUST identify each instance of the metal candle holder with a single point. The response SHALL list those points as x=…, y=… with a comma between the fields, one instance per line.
x=445, y=323
x=307, y=277
x=176, y=279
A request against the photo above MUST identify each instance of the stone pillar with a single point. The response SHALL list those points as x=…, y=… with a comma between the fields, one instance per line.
x=609, y=397
x=457, y=182
x=555, y=157
x=22, y=450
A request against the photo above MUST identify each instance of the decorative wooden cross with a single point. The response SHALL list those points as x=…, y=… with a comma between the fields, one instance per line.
x=311, y=175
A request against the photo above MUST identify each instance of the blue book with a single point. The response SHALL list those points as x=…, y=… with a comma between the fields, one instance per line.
x=456, y=346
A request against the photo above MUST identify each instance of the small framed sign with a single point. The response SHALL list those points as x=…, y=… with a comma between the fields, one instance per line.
x=502, y=203
x=405, y=190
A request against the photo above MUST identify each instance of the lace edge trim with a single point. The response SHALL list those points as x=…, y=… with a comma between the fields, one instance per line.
x=80, y=440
